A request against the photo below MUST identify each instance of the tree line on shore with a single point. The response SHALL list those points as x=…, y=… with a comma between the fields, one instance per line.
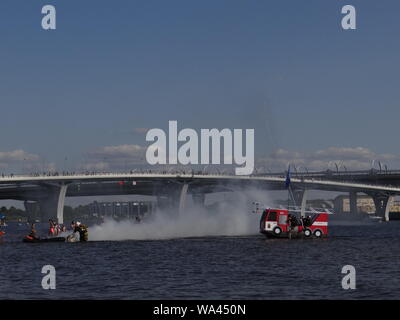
x=13, y=214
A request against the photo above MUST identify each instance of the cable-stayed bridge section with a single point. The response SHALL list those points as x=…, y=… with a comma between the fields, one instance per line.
x=49, y=191
x=372, y=176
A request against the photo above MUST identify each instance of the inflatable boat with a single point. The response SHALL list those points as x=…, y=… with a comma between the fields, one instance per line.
x=35, y=240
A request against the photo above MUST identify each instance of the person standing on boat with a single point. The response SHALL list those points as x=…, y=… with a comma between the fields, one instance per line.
x=33, y=233
x=57, y=228
x=82, y=229
x=52, y=230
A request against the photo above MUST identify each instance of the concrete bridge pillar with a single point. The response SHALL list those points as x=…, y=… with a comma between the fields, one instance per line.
x=382, y=205
x=61, y=202
x=353, y=202
x=174, y=198
x=300, y=197
x=52, y=205
x=182, y=198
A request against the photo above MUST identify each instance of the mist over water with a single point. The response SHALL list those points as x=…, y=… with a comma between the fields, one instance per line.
x=228, y=218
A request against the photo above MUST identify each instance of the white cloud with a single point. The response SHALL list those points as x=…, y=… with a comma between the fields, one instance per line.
x=12, y=160
x=97, y=166
x=140, y=130
x=116, y=157
x=128, y=157
x=357, y=158
x=125, y=150
x=17, y=155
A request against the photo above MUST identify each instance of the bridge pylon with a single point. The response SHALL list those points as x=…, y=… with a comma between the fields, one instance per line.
x=382, y=205
x=52, y=203
x=300, y=197
x=353, y=202
x=173, y=197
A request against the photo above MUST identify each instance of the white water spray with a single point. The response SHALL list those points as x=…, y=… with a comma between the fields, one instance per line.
x=229, y=219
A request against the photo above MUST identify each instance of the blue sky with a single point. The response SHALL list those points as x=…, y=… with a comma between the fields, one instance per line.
x=285, y=68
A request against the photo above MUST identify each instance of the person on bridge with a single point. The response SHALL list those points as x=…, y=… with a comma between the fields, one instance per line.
x=82, y=229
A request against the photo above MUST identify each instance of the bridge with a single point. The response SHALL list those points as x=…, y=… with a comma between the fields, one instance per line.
x=171, y=189
x=373, y=176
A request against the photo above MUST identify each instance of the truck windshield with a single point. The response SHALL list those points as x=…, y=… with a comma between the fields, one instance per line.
x=272, y=216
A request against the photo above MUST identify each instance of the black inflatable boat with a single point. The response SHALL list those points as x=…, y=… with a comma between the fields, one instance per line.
x=33, y=240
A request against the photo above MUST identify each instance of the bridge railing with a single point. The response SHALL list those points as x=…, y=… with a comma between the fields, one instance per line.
x=326, y=173
x=188, y=174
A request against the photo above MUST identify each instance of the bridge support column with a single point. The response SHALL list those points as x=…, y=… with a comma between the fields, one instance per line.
x=60, y=203
x=387, y=209
x=300, y=196
x=173, y=199
x=382, y=205
x=353, y=202
x=182, y=198
x=52, y=206
x=303, y=204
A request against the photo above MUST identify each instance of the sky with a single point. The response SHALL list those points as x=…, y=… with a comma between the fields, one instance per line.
x=83, y=96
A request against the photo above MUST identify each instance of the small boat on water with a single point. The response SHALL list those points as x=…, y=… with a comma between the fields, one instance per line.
x=30, y=239
x=70, y=238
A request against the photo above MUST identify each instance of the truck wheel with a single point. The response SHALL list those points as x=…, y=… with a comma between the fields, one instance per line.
x=307, y=233
x=277, y=231
x=318, y=233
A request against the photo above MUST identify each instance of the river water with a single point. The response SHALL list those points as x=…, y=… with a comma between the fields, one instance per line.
x=212, y=267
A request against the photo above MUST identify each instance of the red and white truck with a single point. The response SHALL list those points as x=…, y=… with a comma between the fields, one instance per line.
x=280, y=223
